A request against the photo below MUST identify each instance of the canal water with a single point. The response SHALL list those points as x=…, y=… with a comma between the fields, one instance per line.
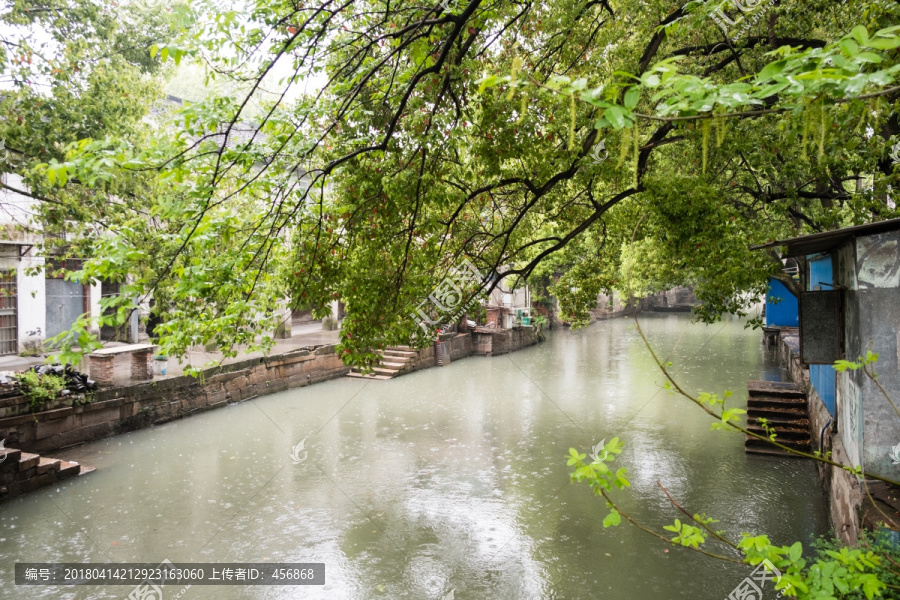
x=445, y=479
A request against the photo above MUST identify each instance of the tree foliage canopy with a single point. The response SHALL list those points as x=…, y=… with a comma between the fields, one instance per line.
x=376, y=145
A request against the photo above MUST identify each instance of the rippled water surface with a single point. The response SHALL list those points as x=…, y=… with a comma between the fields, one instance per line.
x=445, y=479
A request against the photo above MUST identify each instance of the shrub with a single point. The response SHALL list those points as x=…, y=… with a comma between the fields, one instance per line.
x=878, y=542
x=39, y=389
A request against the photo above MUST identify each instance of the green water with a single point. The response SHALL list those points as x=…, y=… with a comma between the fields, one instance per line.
x=445, y=479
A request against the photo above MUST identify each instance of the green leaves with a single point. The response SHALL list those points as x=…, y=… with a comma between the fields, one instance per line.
x=631, y=97
x=845, y=365
x=575, y=457
x=597, y=473
x=612, y=519
x=686, y=535
x=599, y=476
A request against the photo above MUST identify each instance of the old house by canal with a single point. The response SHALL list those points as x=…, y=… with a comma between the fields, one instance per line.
x=850, y=305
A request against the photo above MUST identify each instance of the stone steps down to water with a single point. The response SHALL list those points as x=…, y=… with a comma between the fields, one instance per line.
x=783, y=406
x=394, y=361
x=22, y=472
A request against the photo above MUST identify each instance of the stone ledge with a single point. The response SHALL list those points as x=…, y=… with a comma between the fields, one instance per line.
x=288, y=360
x=143, y=404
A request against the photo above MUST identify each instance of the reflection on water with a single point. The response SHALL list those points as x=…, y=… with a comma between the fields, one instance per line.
x=451, y=478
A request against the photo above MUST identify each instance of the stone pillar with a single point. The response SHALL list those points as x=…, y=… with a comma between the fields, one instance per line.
x=142, y=364
x=102, y=368
x=283, y=324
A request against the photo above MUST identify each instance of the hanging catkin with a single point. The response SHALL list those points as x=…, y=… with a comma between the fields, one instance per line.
x=624, y=144
x=572, y=121
x=707, y=124
x=806, y=119
x=863, y=113
x=823, y=126
x=513, y=77
x=637, y=139
x=721, y=128
x=523, y=108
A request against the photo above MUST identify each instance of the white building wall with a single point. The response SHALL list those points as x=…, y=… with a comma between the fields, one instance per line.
x=16, y=213
x=95, y=293
x=32, y=305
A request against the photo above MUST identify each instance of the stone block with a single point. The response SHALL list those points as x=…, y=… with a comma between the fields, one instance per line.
x=235, y=386
x=7, y=477
x=68, y=469
x=278, y=385
x=100, y=416
x=45, y=429
x=27, y=461
x=26, y=474
x=11, y=462
x=38, y=481
x=10, y=491
x=47, y=465
x=216, y=397
x=258, y=376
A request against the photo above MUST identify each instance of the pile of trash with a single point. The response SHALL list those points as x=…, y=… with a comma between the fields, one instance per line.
x=76, y=381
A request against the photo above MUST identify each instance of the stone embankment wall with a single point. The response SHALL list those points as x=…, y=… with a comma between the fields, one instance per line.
x=492, y=343
x=842, y=489
x=120, y=409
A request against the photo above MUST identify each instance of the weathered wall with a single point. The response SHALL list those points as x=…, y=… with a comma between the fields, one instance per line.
x=848, y=389
x=841, y=488
x=609, y=306
x=492, y=343
x=122, y=409
x=460, y=345
x=878, y=302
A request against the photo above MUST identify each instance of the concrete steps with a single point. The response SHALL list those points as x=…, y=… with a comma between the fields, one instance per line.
x=22, y=472
x=783, y=389
x=394, y=361
x=783, y=407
